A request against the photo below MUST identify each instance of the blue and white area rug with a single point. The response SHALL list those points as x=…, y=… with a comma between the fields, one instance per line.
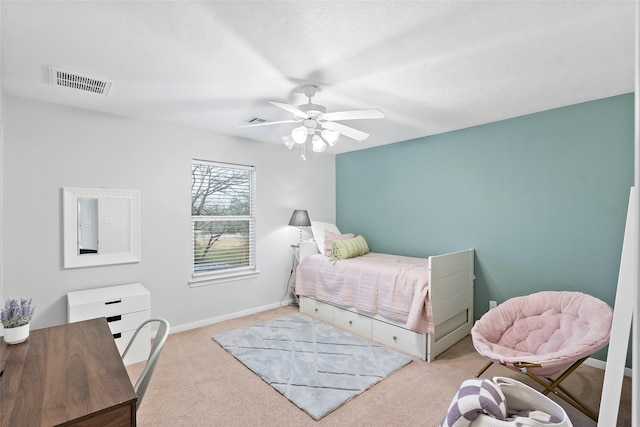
x=316, y=366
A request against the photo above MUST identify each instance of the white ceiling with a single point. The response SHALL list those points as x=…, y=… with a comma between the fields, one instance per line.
x=430, y=66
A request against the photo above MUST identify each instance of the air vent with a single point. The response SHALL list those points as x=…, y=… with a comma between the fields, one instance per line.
x=79, y=81
x=255, y=120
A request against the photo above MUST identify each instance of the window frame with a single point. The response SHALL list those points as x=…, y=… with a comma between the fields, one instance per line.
x=202, y=278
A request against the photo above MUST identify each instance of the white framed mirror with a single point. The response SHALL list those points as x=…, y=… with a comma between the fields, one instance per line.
x=101, y=226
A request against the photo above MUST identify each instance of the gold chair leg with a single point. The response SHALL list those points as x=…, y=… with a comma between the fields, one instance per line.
x=553, y=386
x=484, y=368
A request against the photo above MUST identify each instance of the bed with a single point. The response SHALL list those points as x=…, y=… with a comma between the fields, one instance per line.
x=421, y=306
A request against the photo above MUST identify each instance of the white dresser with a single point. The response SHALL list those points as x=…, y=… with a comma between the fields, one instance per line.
x=124, y=306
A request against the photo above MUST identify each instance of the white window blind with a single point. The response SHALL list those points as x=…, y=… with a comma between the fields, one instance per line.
x=223, y=222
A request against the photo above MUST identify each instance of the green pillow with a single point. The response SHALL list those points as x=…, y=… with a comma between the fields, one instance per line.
x=349, y=248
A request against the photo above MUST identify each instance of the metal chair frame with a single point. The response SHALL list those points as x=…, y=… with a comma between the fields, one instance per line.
x=550, y=385
x=162, y=333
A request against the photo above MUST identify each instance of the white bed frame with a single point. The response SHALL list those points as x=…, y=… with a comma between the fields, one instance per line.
x=451, y=285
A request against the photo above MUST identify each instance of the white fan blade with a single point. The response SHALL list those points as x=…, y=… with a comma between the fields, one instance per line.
x=372, y=113
x=356, y=134
x=290, y=108
x=266, y=123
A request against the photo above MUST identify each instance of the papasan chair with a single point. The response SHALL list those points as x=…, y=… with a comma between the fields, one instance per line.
x=546, y=336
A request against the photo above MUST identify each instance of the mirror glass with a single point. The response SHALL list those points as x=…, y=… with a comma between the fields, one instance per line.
x=100, y=227
x=87, y=226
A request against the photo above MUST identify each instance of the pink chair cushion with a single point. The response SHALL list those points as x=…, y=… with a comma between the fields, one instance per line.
x=551, y=328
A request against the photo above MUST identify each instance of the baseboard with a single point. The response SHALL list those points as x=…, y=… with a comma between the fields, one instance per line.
x=595, y=363
x=212, y=320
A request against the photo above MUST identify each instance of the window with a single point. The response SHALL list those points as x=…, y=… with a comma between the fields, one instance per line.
x=222, y=219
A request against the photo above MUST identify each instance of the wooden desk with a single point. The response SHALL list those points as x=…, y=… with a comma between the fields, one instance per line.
x=68, y=375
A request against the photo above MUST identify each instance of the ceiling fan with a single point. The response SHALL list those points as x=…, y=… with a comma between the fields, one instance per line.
x=316, y=123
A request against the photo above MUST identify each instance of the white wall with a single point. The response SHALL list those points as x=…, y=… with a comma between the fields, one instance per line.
x=48, y=147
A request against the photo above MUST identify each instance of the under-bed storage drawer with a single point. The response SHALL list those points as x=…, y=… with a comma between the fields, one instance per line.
x=317, y=309
x=402, y=339
x=353, y=322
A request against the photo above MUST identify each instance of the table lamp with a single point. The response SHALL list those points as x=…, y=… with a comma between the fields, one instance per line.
x=300, y=218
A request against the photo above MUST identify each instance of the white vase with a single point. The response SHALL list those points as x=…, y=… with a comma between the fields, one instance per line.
x=16, y=335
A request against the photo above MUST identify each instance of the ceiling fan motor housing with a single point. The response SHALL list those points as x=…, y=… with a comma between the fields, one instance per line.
x=312, y=110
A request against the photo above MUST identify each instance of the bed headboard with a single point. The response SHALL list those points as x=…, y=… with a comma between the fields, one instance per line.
x=308, y=248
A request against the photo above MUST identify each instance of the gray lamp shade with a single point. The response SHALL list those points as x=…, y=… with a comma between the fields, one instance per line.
x=300, y=218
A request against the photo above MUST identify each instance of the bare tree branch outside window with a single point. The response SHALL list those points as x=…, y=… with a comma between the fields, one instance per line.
x=222, y=217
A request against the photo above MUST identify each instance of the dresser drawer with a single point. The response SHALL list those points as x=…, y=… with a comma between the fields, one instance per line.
x=107, y=302
x=140, y=349
x=127, y=322
x=402, y=339
x=317, y=309
x=353, y=322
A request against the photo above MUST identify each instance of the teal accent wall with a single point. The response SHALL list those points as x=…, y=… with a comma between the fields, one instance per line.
x=541, y=198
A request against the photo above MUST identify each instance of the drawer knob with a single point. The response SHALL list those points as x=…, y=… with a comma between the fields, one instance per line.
x=316, y=310
x=395, y=338
x=350, y=322
x=116, y=301
x=116, y=336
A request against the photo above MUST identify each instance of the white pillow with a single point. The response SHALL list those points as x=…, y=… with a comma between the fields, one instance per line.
x=317, y=228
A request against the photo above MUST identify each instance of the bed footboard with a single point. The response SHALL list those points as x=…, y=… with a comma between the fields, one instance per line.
x=451, y=285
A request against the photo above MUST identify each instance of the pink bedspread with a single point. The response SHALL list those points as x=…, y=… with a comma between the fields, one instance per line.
x=395, y=287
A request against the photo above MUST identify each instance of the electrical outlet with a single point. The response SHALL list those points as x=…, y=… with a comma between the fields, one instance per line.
x=492, y=304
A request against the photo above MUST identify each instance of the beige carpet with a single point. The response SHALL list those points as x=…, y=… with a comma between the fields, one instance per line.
x=197, y=383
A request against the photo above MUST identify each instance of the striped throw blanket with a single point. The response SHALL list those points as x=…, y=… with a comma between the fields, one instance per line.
x=475, y=397
x=481, y=397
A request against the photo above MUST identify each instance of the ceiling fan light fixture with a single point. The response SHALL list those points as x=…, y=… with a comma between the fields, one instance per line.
x=288, y=141
x=330, y=136
x=315, y=125
x=318, y=144
x=299, y=135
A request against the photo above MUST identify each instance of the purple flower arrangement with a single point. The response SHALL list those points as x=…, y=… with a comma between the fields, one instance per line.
x=15, y=314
